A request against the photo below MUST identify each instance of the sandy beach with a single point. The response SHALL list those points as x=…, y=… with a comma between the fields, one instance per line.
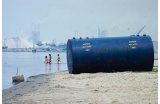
x=85, y=88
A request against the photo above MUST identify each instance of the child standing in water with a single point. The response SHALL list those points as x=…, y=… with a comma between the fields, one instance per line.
x=46, y=60
x=58, y=58
x=50, y=58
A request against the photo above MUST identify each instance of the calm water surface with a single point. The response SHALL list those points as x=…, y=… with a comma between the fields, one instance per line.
x=29, y=64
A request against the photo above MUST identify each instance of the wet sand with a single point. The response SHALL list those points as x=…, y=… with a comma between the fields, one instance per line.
x=86, y=88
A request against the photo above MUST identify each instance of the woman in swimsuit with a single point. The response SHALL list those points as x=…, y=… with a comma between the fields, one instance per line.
x=46, y=60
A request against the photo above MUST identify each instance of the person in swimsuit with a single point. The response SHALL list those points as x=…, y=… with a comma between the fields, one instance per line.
x=58, y=58
x=46, y=60
x=50, y=58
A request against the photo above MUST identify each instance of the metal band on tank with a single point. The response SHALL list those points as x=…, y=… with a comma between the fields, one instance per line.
x=69, y=56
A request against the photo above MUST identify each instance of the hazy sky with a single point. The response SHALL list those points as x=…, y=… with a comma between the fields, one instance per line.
x=58, y=19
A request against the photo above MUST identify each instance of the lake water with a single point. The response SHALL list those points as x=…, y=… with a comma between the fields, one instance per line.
x=29, y=64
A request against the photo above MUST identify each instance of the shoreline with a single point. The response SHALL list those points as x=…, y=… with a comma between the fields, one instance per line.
x=61, y=87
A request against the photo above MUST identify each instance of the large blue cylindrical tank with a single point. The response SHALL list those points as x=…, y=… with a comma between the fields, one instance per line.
x=90, y=55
